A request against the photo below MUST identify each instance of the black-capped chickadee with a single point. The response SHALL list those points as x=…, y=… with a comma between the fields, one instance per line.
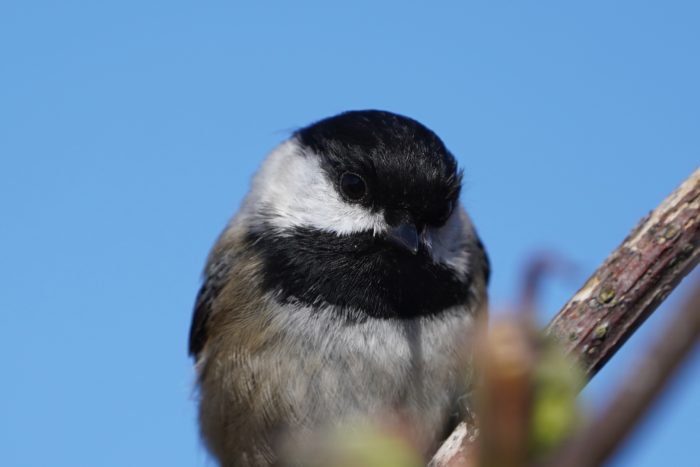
x=344, y=289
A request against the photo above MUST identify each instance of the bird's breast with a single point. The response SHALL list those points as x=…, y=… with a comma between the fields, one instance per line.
x=332, y=371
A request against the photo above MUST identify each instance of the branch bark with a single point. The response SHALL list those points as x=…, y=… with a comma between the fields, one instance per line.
x=637, y=276
x=633, y=281
x=598, y=440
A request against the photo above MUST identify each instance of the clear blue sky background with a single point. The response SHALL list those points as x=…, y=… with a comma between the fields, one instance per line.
x=129, y=131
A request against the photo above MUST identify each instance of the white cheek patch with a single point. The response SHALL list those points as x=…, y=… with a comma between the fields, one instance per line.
x=449, y=242
x=292, y=190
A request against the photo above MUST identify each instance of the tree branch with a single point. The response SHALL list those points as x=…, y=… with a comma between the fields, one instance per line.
x=598, y=440
x=633, y=281
x=619, y=296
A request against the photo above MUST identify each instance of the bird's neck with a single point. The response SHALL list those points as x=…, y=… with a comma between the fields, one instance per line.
x=357, y=272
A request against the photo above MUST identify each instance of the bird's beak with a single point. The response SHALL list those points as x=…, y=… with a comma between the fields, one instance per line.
x=406, y=236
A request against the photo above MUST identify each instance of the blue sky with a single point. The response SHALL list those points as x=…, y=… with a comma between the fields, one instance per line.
x=129, y=132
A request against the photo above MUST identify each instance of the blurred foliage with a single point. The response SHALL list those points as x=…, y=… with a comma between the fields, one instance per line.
x=555, y=412
x=359, y=445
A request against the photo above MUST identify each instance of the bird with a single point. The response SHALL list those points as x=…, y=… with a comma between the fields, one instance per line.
x=346, y=287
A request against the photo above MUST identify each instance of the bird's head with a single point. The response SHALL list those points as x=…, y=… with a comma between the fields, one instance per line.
x=364, y=199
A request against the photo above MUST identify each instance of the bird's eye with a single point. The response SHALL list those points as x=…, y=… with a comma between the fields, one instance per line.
x=352, y=185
